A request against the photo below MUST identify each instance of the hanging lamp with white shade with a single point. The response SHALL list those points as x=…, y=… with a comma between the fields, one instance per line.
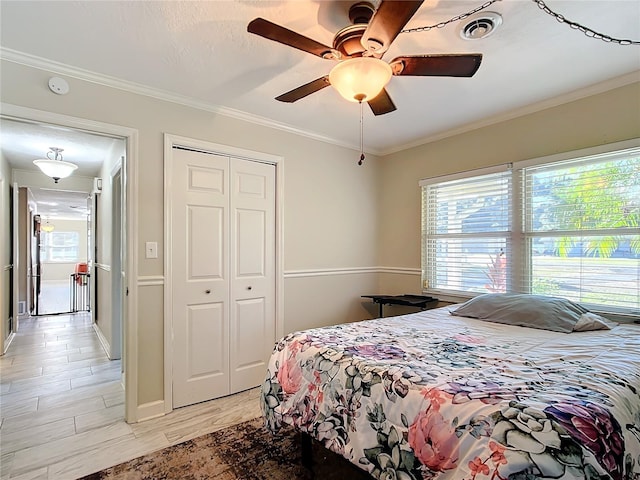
x=47, y=226
x=54, y=166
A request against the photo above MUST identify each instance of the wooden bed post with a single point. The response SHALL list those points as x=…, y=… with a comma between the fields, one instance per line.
x=305, y=445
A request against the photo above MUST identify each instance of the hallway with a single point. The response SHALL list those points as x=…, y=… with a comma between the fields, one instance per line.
x=54, y=297
x=62, y=405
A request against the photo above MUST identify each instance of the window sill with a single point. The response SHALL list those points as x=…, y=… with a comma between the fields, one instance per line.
x=620, y=317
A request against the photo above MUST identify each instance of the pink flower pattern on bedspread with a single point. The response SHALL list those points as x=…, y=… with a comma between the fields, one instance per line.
x=434, y=397
x=433, y=440
x=290, y=373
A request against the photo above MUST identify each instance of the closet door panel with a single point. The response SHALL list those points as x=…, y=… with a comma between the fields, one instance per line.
x=252, y=320
x=200, y=276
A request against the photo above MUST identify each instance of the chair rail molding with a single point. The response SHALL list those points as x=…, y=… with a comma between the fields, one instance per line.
x=321, y=272
x=149, y=280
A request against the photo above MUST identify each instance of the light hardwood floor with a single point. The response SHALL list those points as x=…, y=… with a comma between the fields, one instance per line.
x=62, y=406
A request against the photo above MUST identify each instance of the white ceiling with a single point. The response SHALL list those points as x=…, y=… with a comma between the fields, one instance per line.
x=200, y=52
x=23, y=142
x=53, y=204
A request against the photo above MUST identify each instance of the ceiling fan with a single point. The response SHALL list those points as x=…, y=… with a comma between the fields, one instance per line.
x=360, y=74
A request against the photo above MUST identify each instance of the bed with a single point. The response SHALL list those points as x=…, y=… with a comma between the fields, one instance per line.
x=431, y=395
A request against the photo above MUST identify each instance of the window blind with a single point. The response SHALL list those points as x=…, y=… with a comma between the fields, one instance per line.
x=581, y=228
x=60, y=246
x=467, y=233
x=568, y=228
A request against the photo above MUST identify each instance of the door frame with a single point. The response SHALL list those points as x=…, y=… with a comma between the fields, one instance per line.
x=117, y=278
x=8, y=325
x=36, y=249
x=15, y=257
x=171, y=141
x=130, y=202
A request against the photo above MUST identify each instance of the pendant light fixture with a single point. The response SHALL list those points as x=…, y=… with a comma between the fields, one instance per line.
x=53, y=166
x=47, y=226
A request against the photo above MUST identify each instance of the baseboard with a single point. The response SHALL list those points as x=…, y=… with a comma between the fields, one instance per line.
x=150, y=410
x=106, y=346
x=8, y=341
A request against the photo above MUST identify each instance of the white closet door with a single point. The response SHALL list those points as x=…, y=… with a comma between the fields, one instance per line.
x=200, y=279
x=252, y=271
x=223, y=274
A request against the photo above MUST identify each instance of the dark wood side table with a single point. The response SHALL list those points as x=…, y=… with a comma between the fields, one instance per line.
x=418, y=301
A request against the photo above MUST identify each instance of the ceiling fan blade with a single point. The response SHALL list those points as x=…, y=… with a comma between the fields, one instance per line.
x=280, y=34
x=304, y=90
x=382, y=103
x=446, y=65
x=387, y=22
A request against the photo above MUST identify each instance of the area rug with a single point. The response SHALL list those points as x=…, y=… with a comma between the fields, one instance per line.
x=247, y=451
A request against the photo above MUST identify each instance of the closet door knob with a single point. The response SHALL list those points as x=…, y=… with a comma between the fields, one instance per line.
x=207, y=291
x=249, y=287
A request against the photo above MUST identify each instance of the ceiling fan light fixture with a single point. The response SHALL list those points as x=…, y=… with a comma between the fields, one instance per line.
x=360, y=79
x=55, y=167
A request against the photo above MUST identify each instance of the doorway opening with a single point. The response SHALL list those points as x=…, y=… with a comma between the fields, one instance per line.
x=89, y=248
x=60, y=252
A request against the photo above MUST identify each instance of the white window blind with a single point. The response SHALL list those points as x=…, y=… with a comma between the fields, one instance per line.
x=467, y=233
x=60, y=246
x=568, y=228
x=581, y=228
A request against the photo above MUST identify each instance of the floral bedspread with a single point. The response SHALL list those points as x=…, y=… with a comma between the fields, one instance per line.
x=433, y=396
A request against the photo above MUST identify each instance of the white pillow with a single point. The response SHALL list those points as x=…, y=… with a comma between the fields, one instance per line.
x=534, y=311
x=590, y=321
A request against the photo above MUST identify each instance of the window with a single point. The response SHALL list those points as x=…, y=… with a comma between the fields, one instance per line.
x=568, y=228
x=467, y=232
x=60, y=246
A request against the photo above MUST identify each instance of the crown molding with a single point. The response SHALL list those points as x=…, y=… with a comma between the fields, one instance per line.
x=594, y=89
x=41, y=63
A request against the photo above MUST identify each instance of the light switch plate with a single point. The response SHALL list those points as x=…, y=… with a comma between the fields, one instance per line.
x=151, y=249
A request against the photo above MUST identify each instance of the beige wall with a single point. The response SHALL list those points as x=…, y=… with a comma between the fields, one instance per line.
x=337, y=215
x=104, y=264
x=330, y=203
x=60, y=271
x=24, y=239
x=600, y=119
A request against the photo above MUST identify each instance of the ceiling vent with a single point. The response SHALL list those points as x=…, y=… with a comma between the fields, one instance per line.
x=480, y=25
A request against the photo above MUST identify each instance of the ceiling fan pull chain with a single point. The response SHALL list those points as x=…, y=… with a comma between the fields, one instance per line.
x=361, y=133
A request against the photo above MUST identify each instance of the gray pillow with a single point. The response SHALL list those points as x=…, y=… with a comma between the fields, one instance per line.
x=534, y=311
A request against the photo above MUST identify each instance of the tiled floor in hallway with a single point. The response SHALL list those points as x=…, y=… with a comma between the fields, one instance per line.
x=62, y=405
